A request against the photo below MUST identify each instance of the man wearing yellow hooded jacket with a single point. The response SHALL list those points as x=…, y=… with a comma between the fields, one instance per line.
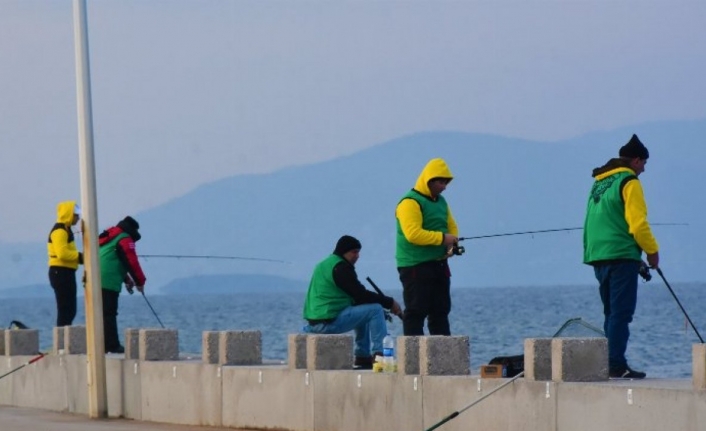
x=616, y=232
x=426, y=231
x=64, y=259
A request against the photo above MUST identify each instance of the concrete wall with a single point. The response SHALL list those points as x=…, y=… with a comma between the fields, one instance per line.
x=276, y=397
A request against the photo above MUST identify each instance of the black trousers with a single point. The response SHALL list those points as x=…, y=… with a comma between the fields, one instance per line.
x=63, y=281
x=426, y=292
x=110, y=319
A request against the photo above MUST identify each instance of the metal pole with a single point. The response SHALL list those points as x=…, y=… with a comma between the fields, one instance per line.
x=97, y=393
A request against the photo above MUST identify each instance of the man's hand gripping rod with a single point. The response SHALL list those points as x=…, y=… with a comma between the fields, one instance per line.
x=377, y=289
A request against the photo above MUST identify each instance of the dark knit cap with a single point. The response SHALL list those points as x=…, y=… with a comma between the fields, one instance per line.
x=130, y=226
x=345, y=244
x=634, y=148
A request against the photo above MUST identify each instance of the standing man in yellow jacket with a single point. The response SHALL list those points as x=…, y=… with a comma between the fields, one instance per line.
x=616, y=233
x=426, y=231
x=64, y=259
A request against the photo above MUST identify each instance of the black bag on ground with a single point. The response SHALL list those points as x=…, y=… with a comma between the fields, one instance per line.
x=513, y=365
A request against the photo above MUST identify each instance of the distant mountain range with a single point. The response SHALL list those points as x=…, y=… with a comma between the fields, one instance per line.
x=501, y=185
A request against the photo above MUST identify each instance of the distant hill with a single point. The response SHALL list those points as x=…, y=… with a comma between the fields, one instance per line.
x=501, y=185
x=232, y=283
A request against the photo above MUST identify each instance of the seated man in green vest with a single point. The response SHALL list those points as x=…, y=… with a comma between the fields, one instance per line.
x=119, y=265
x=337, y=303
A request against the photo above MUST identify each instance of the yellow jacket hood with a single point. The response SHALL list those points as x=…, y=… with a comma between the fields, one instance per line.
x=65, y=212
x=436, y=168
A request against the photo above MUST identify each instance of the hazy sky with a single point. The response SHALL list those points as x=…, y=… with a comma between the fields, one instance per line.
x=186, y=92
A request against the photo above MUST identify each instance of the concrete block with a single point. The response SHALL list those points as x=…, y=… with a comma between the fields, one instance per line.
x=538, y=359
x=132, y=388
x=75, y=340
x=209, y=347
x=185, y=393
x=240, y=348
x=408, y=355
x=132, y=343
x=579, y=359
x=159, y=344
x=39, y=385
x=271, y=398
x=329, y=352
x=297, y=351
x=2, y=342
x=444, y=356
x=58, y=339
x=698, y=360
x=366, y=401
x=21, y=342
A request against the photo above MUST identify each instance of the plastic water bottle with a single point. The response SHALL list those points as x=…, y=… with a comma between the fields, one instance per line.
x=388, y=354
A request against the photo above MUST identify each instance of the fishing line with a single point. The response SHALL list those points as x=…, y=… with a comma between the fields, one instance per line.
x=458, y=412
x=187, y=256
x=659, y=271
x=529, y=232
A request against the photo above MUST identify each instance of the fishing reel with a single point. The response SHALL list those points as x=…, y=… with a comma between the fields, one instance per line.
x=388, y=316
x=645, y=272
x=457, y=250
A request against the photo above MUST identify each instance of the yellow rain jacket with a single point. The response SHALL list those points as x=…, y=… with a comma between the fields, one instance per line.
x=61, y=246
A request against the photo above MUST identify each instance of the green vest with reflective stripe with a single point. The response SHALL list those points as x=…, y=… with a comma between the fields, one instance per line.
x=325, y=300
x=435, y=217
x=112, y=269
x=605, y=233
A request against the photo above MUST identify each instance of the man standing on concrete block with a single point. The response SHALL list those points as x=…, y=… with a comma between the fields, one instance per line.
x=616, y=232
x=337, y=303
x=119, y=265
x=427, y=236
x=64, y=259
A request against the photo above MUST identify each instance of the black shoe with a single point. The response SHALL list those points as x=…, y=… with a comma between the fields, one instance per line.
x=626, y=373
x=117, y=349
x=363, y=363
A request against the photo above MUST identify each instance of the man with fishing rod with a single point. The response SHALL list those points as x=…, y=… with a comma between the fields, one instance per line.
x=337, y=302
x=616, y=232
x=427, y=235
x=64, y=259
x=119, y=264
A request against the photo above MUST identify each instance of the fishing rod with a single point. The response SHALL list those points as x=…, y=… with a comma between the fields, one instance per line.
x=192, y=256
x=153, y=312
x=30, y=362
x=529, y=232
x=458, y=412
x=659, y=271
x=377, y=289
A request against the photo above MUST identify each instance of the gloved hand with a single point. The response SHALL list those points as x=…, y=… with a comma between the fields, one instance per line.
x=140, y=289
x=129, y=284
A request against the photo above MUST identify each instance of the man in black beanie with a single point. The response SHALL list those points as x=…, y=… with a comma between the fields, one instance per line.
x=337, y=303
x=119, y=265
x=616, y=232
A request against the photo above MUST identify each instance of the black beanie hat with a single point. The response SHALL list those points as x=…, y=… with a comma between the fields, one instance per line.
x=345, y=244
x=130, y=226
x=634, y=148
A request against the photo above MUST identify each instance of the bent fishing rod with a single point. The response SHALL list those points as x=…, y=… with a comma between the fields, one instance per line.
x=195, y=256
x=529, y=232
x=659, y=271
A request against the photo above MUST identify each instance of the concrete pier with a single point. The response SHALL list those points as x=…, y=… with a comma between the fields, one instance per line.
x=191, y=392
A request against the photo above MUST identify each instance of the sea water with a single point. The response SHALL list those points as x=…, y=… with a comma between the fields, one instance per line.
x=497, y=320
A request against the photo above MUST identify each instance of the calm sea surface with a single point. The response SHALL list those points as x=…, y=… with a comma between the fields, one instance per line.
x=496, y=319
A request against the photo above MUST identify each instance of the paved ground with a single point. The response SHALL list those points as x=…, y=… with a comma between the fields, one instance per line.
x=21, y=419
